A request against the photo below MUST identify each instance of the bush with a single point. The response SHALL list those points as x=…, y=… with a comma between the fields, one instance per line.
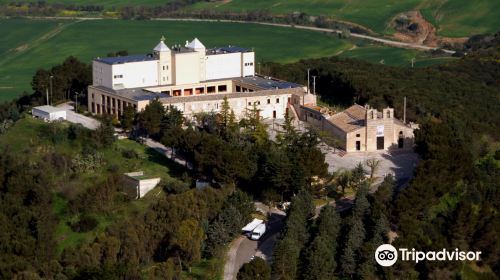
x=130, y=154
x=84, y=224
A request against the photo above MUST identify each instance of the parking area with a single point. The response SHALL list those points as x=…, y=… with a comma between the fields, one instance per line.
x=73, y=117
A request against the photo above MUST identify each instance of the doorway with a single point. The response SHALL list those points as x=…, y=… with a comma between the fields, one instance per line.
x=358, y=145
x=274, y=114
x=380, y=143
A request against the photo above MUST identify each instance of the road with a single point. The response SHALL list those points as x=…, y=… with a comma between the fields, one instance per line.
x=73, y=117
x=385, y=41
x=243, y=249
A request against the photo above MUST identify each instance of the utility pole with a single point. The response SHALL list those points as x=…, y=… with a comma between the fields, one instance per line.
x=308, y=82
x=51, y=92
x=47, y=95
x=314, y=84
x=404, y=110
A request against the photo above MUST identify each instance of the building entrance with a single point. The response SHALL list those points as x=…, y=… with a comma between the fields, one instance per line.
x=380, y=143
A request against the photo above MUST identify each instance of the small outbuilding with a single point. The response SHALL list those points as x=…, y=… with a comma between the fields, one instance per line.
x=141, y=183
x=49, y=113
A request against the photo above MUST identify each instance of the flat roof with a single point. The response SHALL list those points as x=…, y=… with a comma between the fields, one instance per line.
x=137, y=94
x=252, y=225
x=220, y=96
x=228, y=49
x=267, y=82
x=126, y=59
x=49, y=109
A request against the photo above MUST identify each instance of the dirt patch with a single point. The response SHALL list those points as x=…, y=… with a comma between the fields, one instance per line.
x=21, y=48
x=411, y=27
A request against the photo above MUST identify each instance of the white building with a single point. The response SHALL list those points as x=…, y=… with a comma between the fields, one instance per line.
x=49, y=113
x=194, y=79
x=178, y=65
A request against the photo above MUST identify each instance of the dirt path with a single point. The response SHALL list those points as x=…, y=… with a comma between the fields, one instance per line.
x=425, y=34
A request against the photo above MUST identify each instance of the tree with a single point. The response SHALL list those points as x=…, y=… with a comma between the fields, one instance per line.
x=344, y=180
x=320, y=260
x=104, y=135
x=151, y=117
x=373, y=164
x=127, y=118
x=358, y=173
x=256, y=269
x=188, y=239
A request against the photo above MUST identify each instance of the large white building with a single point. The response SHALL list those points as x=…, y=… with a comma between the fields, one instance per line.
x=194, y=79
x=190, y=64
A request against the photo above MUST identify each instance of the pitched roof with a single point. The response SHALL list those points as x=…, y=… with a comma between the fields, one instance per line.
x=195, y=44
x=161, y=47
x=350, y=119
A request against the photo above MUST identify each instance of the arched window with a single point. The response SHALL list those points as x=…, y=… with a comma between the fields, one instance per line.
x=388, y=114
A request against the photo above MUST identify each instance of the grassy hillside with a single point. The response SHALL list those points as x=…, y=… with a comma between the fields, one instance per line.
x=28, y=136
x=453, y=17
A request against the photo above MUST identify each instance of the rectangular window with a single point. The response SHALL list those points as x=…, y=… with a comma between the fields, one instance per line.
x=211, y=89
x=163, y=67
x=277, y=100
x=238, y=89
x=358, y=135
x=268, y=101
x=222, y=88
x=118, y=76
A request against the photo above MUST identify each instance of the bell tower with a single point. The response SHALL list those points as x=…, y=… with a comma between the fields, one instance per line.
x=164, y=56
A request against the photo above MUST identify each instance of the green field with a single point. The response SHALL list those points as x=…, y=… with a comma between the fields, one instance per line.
x=43, y=43
x=106, y=3
x=453, y=18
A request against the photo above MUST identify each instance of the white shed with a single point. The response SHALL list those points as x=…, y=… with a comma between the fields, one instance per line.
x=49, y=113
x=142, y=183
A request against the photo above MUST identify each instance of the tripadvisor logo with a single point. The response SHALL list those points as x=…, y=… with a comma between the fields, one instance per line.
x=387, y=255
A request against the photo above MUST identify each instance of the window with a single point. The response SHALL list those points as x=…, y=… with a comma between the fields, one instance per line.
x=222, y=88
x=388, y=114
x=163, y=67
x=277, y=100
x=211, y=89
x=268, y=101
x=249, y=103
x=238, y=88
x=358, y=135
x=118, y=76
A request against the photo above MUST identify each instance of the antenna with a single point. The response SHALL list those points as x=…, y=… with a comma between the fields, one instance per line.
x=404, y=110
